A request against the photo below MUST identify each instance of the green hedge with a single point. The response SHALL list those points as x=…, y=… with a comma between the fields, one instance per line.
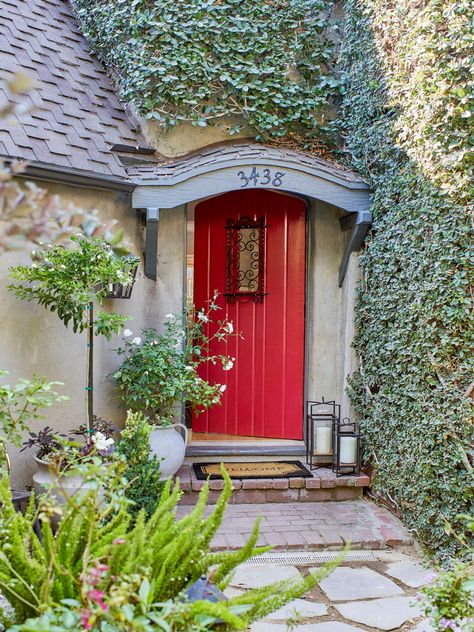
x=406, y=121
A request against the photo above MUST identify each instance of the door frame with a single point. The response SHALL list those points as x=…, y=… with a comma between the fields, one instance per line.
x=262, y=449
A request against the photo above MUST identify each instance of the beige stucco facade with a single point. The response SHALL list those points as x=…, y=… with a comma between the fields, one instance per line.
x=35, y=340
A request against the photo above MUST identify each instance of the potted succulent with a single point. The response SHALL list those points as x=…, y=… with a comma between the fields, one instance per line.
x=161, y=370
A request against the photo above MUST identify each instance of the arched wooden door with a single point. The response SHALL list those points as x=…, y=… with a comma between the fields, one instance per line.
x=250, y=246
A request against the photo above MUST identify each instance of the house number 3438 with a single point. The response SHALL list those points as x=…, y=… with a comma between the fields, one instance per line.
x=267, y=177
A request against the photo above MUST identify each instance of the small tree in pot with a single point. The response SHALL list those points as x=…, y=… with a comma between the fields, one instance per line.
x=67, y=279
x=160, y=370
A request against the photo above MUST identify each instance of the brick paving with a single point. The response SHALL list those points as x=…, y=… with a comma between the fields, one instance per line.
x=323, y=485
x=319, y=525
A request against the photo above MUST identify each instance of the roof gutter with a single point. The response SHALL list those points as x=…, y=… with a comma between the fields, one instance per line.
x=71, y=176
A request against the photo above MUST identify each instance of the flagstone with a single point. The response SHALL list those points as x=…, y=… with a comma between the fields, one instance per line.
x=382, y=614
x=357, y=583
x=424, y=626
x=258, y=576
x=326, y=626
x=305, y=609
x=409, y=572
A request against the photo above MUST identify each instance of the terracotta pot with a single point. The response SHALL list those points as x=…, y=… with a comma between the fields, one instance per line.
x=169, y=447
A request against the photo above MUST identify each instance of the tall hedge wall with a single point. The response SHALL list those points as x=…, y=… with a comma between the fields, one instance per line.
x=406, y=121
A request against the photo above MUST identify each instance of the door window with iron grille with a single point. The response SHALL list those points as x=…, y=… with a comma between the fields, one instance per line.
x=245, y=260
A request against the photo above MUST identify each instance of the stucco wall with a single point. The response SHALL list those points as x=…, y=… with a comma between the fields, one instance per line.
x=34, y=340
x=329, y=308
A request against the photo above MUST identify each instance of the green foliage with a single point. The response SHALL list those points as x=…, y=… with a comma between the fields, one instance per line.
x=102, y=568
x=67, y=280
x=21, y=403
x=447, y=600
x=268, y=63
x=143, y=471
x=160, y=369
x=406, y=124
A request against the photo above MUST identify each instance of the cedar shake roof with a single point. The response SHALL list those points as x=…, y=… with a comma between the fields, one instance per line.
x=75, y=115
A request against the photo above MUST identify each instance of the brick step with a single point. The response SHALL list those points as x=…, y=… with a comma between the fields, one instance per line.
x=322, y=486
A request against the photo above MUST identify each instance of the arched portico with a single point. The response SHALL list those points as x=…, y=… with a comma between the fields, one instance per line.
x=240, y=166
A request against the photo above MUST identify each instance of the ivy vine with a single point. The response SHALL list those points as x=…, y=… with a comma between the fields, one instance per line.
x=404, y=76
x=406, y=120
x=268, y=63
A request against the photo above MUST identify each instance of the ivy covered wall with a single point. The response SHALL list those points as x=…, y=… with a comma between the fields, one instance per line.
x=407, y=122
x=268, y=62
x=404, y=78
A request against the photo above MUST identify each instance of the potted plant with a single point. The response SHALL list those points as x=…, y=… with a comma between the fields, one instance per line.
x=68, y=279
x=160, y=370
x=58, y=456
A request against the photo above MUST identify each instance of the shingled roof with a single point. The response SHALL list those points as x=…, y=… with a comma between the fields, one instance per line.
x=220, y=156
x=76, y=116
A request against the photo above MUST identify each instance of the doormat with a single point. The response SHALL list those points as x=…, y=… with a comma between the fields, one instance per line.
x=264, y=469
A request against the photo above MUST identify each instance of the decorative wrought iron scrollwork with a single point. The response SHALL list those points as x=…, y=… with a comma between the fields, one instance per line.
x=245, y=260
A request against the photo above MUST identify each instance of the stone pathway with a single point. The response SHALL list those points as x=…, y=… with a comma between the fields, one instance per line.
x=356, y=597
x=320, y=525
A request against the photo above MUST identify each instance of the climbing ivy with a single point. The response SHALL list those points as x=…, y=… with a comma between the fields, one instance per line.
x=406, y=121
x=266, y=63
x=406, y=84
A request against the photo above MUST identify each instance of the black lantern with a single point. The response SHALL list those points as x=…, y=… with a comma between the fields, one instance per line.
x=347, y=444
x=321, y=421
x=119, y=290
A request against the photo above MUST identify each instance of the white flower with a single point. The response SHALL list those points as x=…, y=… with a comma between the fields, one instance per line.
x=202, y=316
x=229, y=328
x=136, y=341
x=228, y=365
x=222, y=387
x=169, y=316
x=127, y=333
x=62, y=266
x=154, y=343
x=101, y=442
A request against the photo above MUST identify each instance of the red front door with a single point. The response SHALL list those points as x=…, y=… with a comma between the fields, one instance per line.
x=251, y=245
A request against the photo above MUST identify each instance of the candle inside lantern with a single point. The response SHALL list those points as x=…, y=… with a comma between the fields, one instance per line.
x=348, y=450
x=323, y=440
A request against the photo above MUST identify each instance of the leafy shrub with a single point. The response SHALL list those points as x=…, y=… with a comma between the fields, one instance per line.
x=20, y=404
x=160, y=369
x=143, y=469
x=406, y=121
x=448, y=599
x=101, y=567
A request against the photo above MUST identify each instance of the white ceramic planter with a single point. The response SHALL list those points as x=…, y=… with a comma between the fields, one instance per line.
x=45, y=478
x=169, y=446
